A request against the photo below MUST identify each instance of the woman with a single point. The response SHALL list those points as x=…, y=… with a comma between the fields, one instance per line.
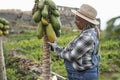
x=81, y=56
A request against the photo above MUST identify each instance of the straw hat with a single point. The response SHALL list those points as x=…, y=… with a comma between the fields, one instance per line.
x=87, y=12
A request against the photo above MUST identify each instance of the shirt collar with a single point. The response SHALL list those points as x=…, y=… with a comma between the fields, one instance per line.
x=89, y=26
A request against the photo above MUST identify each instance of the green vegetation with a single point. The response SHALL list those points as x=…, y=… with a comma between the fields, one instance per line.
x=31, y=47
x=113, y=28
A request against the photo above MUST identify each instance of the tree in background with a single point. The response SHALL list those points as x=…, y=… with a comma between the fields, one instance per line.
x=113, y=30
x=4, y=26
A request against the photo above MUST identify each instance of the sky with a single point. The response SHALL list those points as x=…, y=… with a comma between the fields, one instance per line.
x=106, y=9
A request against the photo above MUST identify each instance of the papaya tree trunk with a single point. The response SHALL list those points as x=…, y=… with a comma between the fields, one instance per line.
x=46, y=59
x=46, y=52
x=2, y=64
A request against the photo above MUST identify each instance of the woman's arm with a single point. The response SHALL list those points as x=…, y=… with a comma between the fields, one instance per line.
x=84, y=43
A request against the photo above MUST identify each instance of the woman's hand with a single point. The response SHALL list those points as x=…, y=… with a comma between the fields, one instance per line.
x=52, y=45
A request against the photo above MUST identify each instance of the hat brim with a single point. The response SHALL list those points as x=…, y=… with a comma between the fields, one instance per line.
x=84, y=17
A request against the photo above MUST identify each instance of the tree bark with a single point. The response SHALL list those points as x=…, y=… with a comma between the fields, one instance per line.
x=46, y=59
x=2, y=64
x=46, y=52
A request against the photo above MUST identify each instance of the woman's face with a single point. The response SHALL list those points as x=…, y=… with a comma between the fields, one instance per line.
x=81, y=23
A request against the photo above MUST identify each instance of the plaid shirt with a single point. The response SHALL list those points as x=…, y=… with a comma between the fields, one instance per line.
x=79, y=51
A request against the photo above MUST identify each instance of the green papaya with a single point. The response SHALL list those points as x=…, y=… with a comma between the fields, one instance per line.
x=50, y=33
x=51, y=4
x=56, y=12
x=58, y=33
x=4, y=21
x=6, y=27
x=55, y=22
x=6, y=33
x=1, y=26
x=39, y=30
x=37, y=16
x=45, y=11
x=60, y=24
x=41, y=4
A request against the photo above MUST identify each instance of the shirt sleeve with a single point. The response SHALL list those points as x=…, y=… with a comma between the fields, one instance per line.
x=83, y=44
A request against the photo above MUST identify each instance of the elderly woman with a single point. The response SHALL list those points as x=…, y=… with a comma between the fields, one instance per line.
x=81, y=55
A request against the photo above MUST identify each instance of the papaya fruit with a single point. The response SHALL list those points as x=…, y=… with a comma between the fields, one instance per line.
x=45, y=11
x=37, y=16
x=1, y=26
x=51, y=4
x=60, y=24
x=41, y=4
x=39, y=30
x=56, y=12
x=55, y=22
x=6, y=27
x=58, y=33
x=4, y=21
x=44, y=21
x=50, y=33
x=6, y=33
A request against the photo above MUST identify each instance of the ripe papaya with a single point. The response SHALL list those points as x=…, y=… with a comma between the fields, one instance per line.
x=45, y=11
x=41, y=4
x=39, y=30
x=50, y=33
x=51, y=4
x=44, y=21
x=37, y=16
x=55, y=22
